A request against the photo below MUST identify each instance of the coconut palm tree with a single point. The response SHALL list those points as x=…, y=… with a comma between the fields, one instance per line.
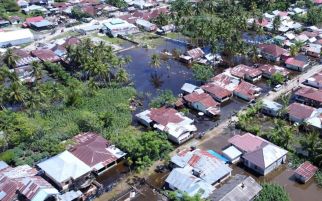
x=17, y=92
x=155, y=61
x=10, y=58
x=37, y=70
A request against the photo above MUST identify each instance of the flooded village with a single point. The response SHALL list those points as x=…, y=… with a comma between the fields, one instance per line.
x=149, y=100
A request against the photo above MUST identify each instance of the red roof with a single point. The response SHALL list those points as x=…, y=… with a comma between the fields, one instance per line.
x=9, y=187
x=91, y=148
x=272, y=49
x=306, y=170
x=45, y=55
x=165, y=115
x=242, y=70
x=216, y=90
x=310, y=93
x=263, y=22
x=316, y=78
x=195, y=53
x=34, y=19
x=310, y=34
x=31, y=185
x=295, y=62
x=247, y=142
x=71, y=41
x=272, y=69
x=203, y=98
x=318, y=1
x=247, y=89
x=300, y=111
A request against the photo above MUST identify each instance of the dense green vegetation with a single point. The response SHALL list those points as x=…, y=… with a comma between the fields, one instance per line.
x=202, y=73
x=272, y=192
x=88, y=95
x=179, y=196
x=164, y=98
x=117, y=3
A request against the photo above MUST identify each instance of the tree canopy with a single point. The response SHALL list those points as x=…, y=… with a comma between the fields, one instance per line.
x=272, y=192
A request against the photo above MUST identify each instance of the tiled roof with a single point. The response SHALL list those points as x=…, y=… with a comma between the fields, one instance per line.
x=164, y=116
x=242, y=70
x=316, y=78
x=195, y=53
x=306, y=170
x=272, y=49
x=247, y=89
x=300, y=111
x=91, y=148
x=310, y=93
x=45, y=55
x=295, y=62
x=216, y=90
x=203, y=98
x=272, y=69
x=247, y=142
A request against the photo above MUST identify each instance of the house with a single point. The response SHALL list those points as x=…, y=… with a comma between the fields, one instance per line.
x=195, y=53
x=24, y=73
x=232, y=154
x=23, y=182
x=202, y=102
x=4, y=23
x=247, y=91
x=219, y=93
x=258, y=154
x=71, y=41
x=24, y=58
x=296, y=64
x=313, y=50
x=188, y=88
x=178, y=127
x=269, y=70
x=96, y=152
x=226, y=81
x=203, y=165
x=181, y=179
x=32, y=8
x=32, y=20
x=146, y=25
x=45, y=55
x=117, y=26
x=17, y=37
x=315, y=120
x=66, y=170
x=238, y=188
x=309, y=96
x=41, y=25
x=271, y=108
x=271, y=52
x=298, y=112
x=167, y=29
x=246, y=73
x=305, y=172
x=70, y=196
x=315, y=81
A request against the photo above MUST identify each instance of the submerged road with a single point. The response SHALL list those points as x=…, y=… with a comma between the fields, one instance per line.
x=289, y=86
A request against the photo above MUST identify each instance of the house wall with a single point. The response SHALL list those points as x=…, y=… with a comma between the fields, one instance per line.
x=269, y=169
x=270, y=57
x=17, y=42
x=180, y=140
x=198, y=106
x=252, y=79
x=242, y=96
x=295, y=119
x=293, y=67
x=314, y=84
x=269, y=111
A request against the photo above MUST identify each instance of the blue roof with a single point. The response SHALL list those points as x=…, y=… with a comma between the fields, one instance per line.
x=215, y=154
x=43, y=23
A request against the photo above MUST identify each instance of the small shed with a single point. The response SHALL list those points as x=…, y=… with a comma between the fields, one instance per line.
x=305, y=172
x=232, y=153
x=188, y=88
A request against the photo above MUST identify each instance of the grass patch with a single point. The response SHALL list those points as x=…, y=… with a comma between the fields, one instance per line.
x=115, y=41
x=66, y=34
x=147, y=40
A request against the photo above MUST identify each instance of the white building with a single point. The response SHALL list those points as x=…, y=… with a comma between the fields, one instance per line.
x=117, y=26
x=18, y=37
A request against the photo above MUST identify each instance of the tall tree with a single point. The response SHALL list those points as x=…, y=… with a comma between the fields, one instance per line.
x=10, y=58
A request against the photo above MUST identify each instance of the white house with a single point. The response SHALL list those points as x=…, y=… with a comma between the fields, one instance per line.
x=315, y=81
x=178, y=127
x=17, y=37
